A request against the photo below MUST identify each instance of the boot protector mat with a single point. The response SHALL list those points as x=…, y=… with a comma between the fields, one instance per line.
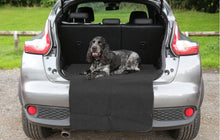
x=118, y=102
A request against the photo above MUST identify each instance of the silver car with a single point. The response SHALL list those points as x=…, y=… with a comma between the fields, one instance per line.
x=52, y=59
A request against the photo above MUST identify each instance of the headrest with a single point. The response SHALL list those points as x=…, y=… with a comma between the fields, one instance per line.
x=141, y=21
x=79, y=15
x=137, y=15
x=111, y=21
x=89, y=11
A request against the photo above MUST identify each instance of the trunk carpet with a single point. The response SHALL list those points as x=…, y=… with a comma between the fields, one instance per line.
x=119, y=102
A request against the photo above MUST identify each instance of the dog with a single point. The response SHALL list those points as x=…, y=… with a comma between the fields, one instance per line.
x=105, y=62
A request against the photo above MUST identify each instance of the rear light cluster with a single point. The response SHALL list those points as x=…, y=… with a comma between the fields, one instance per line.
x=39, y=46
x=183, y=47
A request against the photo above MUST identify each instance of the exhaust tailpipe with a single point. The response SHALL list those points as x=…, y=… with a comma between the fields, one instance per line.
x=65, y=133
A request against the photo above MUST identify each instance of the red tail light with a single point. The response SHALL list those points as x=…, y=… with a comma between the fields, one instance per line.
x=39, y=46
x=183, y=47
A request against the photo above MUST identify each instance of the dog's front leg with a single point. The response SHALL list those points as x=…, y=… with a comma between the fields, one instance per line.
x=96, y=74
x=120, y=70
x=91, y=70
x=85, y=72
x=101, y=72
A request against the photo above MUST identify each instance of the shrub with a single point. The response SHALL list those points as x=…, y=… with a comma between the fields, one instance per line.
x=211, y=6
x=44, y=3
x=47, y=3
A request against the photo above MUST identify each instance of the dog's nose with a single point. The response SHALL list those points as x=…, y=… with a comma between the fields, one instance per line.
x=94, y=48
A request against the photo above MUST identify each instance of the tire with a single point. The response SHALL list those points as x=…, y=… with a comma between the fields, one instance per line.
x=188, y=132
x=34, y=131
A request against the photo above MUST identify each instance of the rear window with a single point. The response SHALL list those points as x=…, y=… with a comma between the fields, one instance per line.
x=123, y=13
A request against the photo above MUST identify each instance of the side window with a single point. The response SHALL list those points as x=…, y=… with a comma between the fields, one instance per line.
x=125, y=9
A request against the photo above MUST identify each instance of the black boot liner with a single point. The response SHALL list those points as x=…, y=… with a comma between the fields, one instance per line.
x=118, y=102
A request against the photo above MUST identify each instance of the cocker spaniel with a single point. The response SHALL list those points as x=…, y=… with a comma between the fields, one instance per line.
x=105, y=62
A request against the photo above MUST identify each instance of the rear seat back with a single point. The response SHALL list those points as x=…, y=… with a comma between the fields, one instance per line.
x=75, y=39
x=140, y=35
x=146, y=40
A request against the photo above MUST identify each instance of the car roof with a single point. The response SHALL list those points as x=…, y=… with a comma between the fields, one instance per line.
x=161, y=2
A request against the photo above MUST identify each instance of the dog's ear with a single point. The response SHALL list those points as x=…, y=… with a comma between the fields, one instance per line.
x=106, y=55
x=89, y=57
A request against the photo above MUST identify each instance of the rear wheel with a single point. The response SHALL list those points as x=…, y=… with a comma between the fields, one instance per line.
x=188, y=132
x=34, y=131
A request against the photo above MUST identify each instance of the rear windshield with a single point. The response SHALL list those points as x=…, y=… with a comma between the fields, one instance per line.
x=123, y=13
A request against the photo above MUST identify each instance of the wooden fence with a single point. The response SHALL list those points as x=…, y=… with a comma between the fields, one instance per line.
x=16, y=34
x=210, y=33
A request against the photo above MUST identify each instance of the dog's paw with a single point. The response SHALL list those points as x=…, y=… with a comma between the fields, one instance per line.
x=126, y=72
x=82, y=73
x=137, y=69
x=88, y=77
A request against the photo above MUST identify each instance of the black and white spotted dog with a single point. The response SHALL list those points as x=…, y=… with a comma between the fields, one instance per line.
x=105, y=62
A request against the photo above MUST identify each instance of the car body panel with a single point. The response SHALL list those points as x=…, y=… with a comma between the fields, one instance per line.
x=38, y=89
x=35, y=86
x=185, y=87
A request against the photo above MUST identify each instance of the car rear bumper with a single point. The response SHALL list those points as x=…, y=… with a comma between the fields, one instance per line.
x=59, y=117
x=183, y=91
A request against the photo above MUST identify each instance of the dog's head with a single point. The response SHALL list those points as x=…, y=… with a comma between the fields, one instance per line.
x=98, y=48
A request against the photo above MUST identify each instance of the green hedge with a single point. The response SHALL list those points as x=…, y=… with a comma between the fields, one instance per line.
x=29, y=3
x=211, y=6
x=47, y=3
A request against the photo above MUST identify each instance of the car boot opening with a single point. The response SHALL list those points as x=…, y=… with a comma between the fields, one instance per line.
x=142, y=32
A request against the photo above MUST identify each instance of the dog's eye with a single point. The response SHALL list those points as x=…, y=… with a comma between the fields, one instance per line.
x=93, y=41
x=100, y=43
